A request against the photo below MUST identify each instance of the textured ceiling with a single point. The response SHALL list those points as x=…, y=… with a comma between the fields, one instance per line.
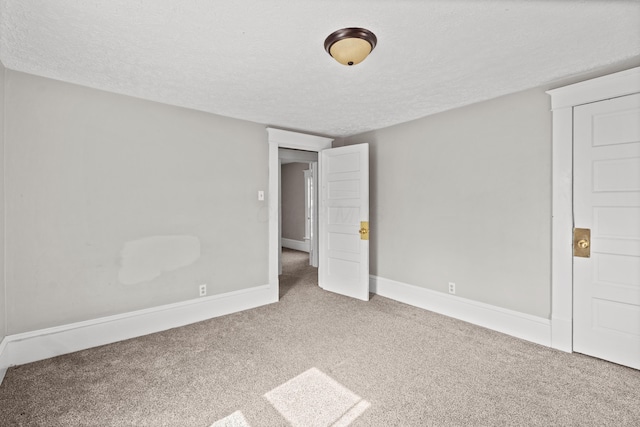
x=263, y=60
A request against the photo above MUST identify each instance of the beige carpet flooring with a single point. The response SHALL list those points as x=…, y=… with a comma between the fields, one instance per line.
x=319, y=359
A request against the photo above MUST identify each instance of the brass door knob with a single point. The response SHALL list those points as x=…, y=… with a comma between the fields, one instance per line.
x=364, y=230
x=583, y=243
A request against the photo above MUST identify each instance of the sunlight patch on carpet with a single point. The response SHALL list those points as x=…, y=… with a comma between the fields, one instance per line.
x=313, y=399
x=234, y=420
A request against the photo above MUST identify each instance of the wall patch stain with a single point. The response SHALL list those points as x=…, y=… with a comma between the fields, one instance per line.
x=145, y=259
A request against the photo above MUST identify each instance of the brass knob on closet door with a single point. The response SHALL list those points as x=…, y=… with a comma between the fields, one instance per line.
x=582, y=242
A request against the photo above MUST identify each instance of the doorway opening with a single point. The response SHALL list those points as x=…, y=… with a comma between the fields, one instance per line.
x=298, y=197
x=298, y=219
x=300, y=142
x=343, y=238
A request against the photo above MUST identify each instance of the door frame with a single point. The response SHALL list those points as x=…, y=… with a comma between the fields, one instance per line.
x=278, y=138
x=563, y=100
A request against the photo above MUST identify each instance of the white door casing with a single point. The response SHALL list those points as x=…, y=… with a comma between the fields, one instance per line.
x=606, y=286
x=344, y=204
x=563, y=101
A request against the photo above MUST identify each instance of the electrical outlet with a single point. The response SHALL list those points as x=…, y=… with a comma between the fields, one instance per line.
x=203, y=290
x=452, y=288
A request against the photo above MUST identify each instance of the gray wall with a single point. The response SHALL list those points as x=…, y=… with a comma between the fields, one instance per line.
x=115, y=204
x=3, y=312
x=292, y=200
x=464, y=196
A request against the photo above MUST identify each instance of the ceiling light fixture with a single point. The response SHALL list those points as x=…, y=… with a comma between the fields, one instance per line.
x=350, y=46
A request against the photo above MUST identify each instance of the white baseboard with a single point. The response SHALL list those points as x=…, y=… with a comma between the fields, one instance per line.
x=298, y=245
x=42, y=344
x=37, y=345
x=520, y=325
x=3, y=369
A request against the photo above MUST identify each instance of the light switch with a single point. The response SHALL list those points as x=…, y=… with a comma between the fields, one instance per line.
x=261, y=195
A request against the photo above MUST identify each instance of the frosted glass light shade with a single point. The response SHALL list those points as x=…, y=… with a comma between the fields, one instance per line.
x=350, y=51
x=350, y=46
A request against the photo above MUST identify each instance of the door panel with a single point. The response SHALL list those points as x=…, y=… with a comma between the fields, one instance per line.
x=344, y=256
x=607, y=200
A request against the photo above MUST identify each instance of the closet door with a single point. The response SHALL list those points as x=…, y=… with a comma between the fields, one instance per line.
x=606, y=281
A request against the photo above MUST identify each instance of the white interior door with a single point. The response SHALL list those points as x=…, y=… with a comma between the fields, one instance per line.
x=606, y=318
x=344, y=254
